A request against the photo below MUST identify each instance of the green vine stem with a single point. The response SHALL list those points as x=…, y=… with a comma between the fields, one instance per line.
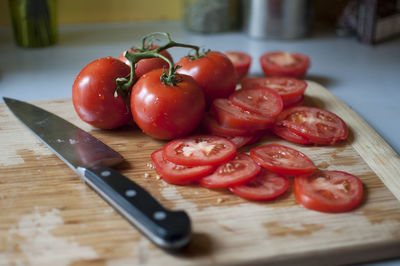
x=124, y=84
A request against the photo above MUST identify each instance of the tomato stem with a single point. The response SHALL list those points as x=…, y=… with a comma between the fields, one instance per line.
x=144, y=52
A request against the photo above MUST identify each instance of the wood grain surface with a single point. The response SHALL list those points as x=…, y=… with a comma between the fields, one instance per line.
x=49, y=217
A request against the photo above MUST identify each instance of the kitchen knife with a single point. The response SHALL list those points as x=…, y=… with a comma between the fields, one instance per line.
x=91, y=160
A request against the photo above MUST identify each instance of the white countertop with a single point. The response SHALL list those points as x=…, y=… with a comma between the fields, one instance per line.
x=367, y=78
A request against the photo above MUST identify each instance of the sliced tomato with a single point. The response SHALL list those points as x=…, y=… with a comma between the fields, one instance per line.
x=259, y=100
x=241, y=141
x=294, y=102
x=290, y=89
x=241, y=61
x=283, y=64
x=178, y=174
x=329, y=191
x=317, y=125
x=213, y=127
x=265, y=185
x=238, y=170
x=282, y=160
x=235, y=116
x=287, y=134
x=199, y=150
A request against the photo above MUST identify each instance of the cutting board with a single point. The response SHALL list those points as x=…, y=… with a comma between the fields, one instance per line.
x=49, y=217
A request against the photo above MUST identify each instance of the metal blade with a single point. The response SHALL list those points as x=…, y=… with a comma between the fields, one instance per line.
x=71, y=144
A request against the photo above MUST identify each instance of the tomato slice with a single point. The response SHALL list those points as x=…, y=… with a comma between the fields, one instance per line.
x=241, y=141
x=238, y=170
x=264, y=186
x=259, y=100
x=282, y=160
x=283, y=64
x=178, y=174
x=241, y=61
x=294, y=102
x=290, y=89
x=212, y=126
x=235, y=116
x=317, y=125
x=329, y=191
x=287, y=134
x=199, y=150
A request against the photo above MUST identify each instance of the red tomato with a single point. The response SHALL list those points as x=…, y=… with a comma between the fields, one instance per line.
x=290, y=89
x=178, y=174
x=289, y=135
x=264, y=186
x=234, y=116
x=282, y=64
x=93, y=94
x=212, y=126
x=317, y=125
x=294, y=102
x=146, y=65
x=199, y=150
x=214, y=72
x=329, y=191
x=282, y=160
x=164, y=111
x=238, y=170
x=259, y=100
x=241, y=61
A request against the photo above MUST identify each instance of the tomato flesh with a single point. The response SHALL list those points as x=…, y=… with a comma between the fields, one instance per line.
x=317, y=125
x=282, y=159
x=259, y=100
x=329, y=191
x=241, y=61
x=199, y=150
x=287, y=134
x=265, y=185
x=283, y=64
x=238, y=170
x=178, y=174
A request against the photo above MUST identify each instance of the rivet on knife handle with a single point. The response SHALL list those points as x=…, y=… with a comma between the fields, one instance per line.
x=167, y=229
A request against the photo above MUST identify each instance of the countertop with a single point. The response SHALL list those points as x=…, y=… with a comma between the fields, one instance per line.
x=365, y=77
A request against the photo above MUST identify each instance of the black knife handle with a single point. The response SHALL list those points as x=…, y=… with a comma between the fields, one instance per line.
x=167, y=229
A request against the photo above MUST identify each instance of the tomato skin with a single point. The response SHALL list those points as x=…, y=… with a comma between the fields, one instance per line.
x=146, y=65
x=273, y=68
x=241, y=61
x=214, y=72
x=282, y=160
x=212, y=126
x=329, y=191
x=164, y=111
x=315, y=124
x=199, y=150
x=93, y=94
x=265, y=185
x=237, y=171
x=178, y=174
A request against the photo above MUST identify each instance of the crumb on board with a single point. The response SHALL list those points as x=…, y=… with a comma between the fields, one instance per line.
x=150, y=165
x=146, y=175
x=158, y=177
x=220, y=200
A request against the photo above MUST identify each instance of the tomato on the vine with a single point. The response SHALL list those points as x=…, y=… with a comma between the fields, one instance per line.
x=166, y=111
x=93, y=94
x=148, y=64
x=213, y=71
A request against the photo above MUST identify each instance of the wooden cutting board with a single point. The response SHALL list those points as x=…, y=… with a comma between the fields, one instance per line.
x=49, y=217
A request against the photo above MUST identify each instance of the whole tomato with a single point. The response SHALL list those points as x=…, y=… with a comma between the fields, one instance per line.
x=167, y=111
x=213, y=71
x=93, y=94
x=146, y=65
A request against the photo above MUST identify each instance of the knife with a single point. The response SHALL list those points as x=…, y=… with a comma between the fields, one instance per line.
x=92, y=160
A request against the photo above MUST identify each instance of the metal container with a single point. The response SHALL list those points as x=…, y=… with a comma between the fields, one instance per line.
x=279, y=19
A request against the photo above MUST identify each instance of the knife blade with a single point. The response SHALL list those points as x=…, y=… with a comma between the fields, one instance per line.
x=92, y=160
